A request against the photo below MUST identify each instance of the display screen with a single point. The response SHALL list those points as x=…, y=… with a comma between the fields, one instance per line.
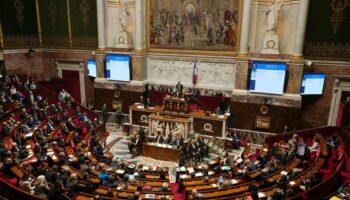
x=267, y=77
x=118, y=67
x=91, y=65
x=312, y=84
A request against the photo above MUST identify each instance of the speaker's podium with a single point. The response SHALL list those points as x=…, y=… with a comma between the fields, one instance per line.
x=176, y=105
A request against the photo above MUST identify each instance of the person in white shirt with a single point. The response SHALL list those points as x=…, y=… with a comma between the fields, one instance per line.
x=13, y=90
x=315, y=145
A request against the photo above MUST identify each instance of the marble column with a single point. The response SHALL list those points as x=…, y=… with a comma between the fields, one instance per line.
x=139, y=24
x=300, y=28
x=295, y=74
x=241, y=80
x=244, y=41
x=101, y=24
x=100, y=65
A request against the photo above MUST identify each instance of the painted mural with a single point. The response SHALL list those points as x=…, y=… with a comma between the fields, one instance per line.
x=194, y=24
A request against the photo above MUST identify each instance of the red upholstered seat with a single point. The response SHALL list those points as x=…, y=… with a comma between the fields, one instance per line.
x=12, y=181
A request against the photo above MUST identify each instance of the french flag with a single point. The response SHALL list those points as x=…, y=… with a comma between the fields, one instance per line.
x=195, y=73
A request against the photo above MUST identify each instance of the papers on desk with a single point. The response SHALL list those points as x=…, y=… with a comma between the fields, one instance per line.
x=211, y=173
x=120, y=171
x=199, y=174
x=190, y=170
x=239, y=171
x=199, y=167
x=221, y=116
x=150, y=196
x=335, y=198
x=239, y=160
x=29, y=134
x=212, y=162
x=257, y=162
x=154, y=169
x=292, y=183
x=183, y=176
x=214, y=185
x=234, y=181
x=227, y=168
x=150, y=107
x=145, y=168
x=183, y=169
x=261, y=195
x=109, y=169
x=140, y=107
x=284, y=173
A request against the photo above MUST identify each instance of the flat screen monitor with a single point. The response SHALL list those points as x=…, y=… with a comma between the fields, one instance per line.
x=91, y=65
x=267, y=77
x=312, y=84
x=118, y=67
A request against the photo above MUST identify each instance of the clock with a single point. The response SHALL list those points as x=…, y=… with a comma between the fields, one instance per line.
x=270, y=44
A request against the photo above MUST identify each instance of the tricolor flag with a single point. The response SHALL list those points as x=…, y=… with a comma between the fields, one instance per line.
x=195, y=73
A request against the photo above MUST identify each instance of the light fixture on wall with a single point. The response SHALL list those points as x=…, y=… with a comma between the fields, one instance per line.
x=29, y=53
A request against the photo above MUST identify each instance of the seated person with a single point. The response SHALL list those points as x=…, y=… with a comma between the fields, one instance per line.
x=148, y=103
x=135, y=143
x=83, y=117
x=159, y=138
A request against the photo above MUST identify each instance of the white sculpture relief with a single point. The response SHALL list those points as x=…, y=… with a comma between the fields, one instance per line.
x=124, y=18
x=123, y=38
x=271, y=39
x=210, y=74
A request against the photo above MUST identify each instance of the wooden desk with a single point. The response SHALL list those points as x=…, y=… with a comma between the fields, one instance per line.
x=161, y=153
x=202, y=123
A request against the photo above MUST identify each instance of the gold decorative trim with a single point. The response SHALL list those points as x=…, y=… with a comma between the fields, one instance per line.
x=85, y=42
x=53, y=11
x=38, y=23
x=327, y=50
x=337, y=18
x=84, y=8
x=195, y=52
x=1, y=37
x=118, y=3
x=20, y=41
x=19, y=7
x=69, y=25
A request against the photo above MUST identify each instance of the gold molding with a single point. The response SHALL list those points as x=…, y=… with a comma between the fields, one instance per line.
x=39, y=23
x=195, y=52
x=295, y=57
x=69, y=25
x=117, y=3
x=1, y=37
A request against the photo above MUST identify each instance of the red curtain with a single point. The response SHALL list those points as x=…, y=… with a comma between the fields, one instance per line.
x=70, y=82
x=340, y=114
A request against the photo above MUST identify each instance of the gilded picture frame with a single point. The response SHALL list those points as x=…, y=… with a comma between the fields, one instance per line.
x=190, y=36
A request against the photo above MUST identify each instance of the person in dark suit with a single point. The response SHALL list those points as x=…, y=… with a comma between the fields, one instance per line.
x=179, y=86
x=159, y=138
x=178, y=94
x=193, y=150
x=178, y=141
x=148, y=103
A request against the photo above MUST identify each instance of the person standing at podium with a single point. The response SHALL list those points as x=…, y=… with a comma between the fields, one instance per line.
x=178, y=94
x=179, y=86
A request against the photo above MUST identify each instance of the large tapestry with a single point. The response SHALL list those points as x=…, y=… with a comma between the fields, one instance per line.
x=193, y=24
x=328, y=30
x=19, y=23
